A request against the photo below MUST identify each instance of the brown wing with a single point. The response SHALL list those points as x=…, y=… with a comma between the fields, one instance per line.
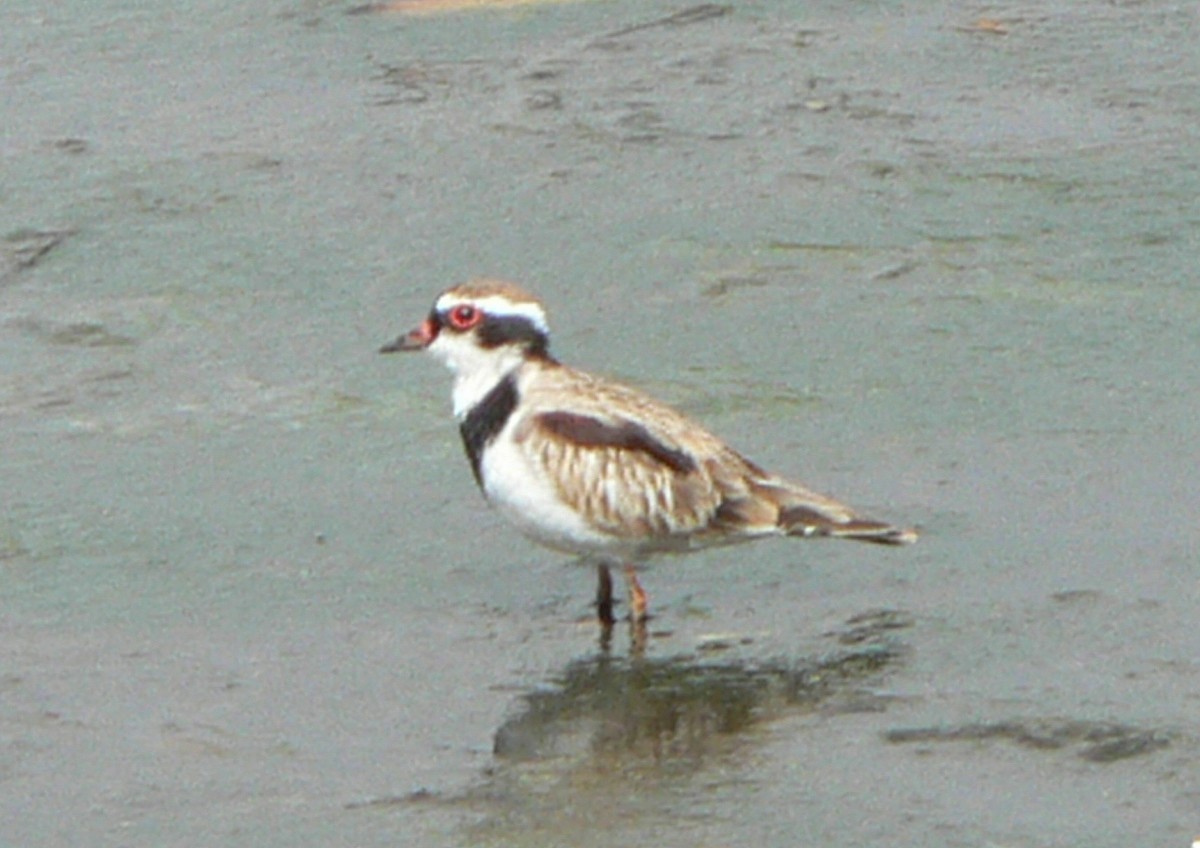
x=639, y=470
x=590, y=432
x=626, y=479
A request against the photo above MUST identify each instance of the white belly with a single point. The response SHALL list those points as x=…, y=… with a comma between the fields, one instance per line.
x=530, y=502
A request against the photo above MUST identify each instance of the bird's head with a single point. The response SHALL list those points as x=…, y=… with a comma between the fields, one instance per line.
x=481, y=330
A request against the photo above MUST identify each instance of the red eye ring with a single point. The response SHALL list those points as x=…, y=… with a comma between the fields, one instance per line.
x=465, y=316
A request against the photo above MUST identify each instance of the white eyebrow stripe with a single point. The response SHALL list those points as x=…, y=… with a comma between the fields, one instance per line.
x=496, y=305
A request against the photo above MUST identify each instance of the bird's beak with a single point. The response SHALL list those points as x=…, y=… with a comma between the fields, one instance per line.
x=418, y=339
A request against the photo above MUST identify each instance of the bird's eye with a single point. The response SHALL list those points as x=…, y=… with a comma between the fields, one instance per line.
x=464, y=317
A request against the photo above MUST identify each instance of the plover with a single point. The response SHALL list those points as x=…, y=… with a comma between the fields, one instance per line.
x=589, y=466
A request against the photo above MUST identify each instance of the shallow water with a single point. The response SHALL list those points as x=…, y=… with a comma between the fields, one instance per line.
x=250, y=595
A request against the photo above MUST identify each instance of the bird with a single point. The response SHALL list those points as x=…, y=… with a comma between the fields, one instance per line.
x=588, y=466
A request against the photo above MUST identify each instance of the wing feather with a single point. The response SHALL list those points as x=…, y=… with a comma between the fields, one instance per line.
x=628, y=481
x=639, y=471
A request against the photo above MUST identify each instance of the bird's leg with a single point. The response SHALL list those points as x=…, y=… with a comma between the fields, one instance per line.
x=637, y=595
x=604, y=597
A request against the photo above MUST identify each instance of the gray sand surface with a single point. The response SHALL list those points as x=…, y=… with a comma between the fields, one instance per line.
x=938, y=259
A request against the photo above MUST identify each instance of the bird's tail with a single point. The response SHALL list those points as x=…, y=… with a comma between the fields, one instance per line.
x=801, y=520
x=802, y=512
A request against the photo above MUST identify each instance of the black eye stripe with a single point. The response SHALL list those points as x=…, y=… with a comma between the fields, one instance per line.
x=499, y=330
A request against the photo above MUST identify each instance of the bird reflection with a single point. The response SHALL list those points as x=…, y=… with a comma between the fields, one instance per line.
x=678, y=711
x=625, y=744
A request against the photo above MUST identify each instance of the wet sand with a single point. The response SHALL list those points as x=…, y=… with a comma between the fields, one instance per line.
x=936, y=260
x=438, y=7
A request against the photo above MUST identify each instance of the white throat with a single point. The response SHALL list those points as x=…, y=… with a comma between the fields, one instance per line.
x=471, y=388
x=476, y=370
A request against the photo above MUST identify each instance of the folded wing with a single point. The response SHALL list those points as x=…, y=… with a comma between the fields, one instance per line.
x=655, y=477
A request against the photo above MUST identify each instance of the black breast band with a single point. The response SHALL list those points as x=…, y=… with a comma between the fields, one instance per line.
x=485, y=421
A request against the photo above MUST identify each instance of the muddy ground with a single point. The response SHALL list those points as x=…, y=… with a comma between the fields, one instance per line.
x=937, y=259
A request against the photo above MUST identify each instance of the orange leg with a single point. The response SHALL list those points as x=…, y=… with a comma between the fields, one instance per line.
x=637, y=596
